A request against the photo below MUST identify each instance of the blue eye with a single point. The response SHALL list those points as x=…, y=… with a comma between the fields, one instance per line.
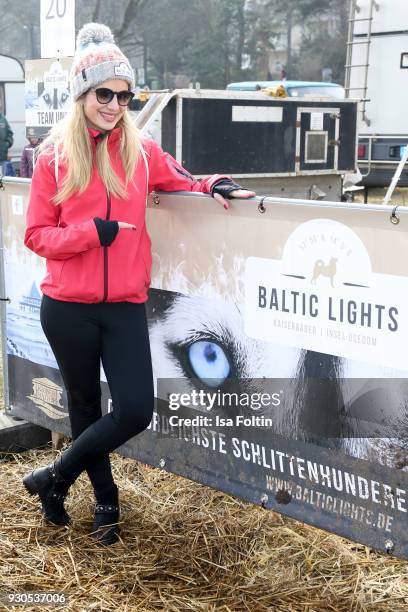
x=209, y=362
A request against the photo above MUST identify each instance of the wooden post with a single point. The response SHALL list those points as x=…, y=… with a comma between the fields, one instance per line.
x=57, y=439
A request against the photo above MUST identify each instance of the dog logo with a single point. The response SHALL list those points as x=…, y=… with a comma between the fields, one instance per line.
x=322, y=269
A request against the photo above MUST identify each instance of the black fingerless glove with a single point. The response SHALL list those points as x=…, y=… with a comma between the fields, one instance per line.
x=107, y=230
x=224, y=187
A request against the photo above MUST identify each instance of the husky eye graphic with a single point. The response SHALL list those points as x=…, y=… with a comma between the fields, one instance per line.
x=204, y=343
x=209, y=362
x=53, y=99
x=45, y=100
x=63, y=98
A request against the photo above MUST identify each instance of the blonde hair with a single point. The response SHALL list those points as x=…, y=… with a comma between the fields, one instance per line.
x=74, y=146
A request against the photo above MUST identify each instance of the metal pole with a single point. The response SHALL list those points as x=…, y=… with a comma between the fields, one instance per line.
x=396, y=177
x=364, y=103
x=347, y=79
x=3, y=313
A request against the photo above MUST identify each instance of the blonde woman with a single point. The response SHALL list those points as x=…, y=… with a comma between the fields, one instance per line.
x=86, y=216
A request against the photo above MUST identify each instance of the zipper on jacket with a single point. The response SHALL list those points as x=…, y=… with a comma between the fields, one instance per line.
x=105, y=252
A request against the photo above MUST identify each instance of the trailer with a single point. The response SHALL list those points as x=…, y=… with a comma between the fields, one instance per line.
x=291, y=147
x=12, y=102
x=377, y=73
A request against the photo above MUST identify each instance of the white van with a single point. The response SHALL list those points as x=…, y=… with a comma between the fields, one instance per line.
x=12, y=103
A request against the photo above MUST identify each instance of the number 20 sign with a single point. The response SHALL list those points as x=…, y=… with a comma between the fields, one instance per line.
x=57, y=28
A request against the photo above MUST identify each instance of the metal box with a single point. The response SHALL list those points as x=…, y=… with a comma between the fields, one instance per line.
x=249, y=134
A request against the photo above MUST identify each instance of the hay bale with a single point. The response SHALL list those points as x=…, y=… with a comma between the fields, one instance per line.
x=184, y=547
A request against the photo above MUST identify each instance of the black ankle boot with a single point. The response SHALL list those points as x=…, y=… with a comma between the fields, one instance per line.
x=52, y=488
x=106, y=515
x=105, y=528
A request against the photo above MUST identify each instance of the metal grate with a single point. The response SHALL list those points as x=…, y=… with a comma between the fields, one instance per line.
x=316, y=148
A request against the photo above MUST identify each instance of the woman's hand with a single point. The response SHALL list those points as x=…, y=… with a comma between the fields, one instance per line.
x=107, y=229
x=228, y=189
x=237, y=193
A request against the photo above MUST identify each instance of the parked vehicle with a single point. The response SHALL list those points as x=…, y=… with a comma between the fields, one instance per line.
x=377, y=73
x=316, y=138
x=12, y=102
x=292, y=89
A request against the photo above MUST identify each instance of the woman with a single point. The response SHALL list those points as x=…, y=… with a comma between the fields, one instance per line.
x=86, y=215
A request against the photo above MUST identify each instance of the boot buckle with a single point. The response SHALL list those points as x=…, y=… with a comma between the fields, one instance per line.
x=106, y=508
x=51, y=469
x=59, y=495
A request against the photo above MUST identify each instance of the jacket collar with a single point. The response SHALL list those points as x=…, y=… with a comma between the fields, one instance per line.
x=113, y=135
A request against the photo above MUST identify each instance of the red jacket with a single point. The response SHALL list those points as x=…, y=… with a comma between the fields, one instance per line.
x=79, y=268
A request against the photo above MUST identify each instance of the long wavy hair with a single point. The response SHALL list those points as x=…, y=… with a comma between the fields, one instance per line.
x=74, y=147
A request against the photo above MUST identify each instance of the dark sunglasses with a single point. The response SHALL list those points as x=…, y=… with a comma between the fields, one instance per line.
x=105, y=95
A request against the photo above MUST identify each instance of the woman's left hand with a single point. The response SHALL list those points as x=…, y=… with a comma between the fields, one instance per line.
x=228, y=189
x=238, y=193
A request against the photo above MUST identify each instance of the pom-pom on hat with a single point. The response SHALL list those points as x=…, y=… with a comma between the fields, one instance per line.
x=97, y=59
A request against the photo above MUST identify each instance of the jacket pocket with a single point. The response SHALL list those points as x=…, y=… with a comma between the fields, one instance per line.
x=54, y=269
x=81, y=276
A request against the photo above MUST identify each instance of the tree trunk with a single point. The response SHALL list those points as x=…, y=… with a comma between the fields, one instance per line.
x=240, y=39
x=146, y=80
x=96, y=12
x=289, y=44
x=227, y=71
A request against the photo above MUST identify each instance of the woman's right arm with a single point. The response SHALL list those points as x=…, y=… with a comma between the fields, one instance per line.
x=43, y=234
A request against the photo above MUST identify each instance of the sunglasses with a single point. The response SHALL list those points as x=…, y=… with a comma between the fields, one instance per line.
x=105, y=95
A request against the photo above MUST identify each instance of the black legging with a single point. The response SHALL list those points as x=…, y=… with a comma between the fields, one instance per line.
x=80, y=335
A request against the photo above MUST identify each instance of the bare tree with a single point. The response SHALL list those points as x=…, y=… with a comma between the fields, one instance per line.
x=205, y=39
